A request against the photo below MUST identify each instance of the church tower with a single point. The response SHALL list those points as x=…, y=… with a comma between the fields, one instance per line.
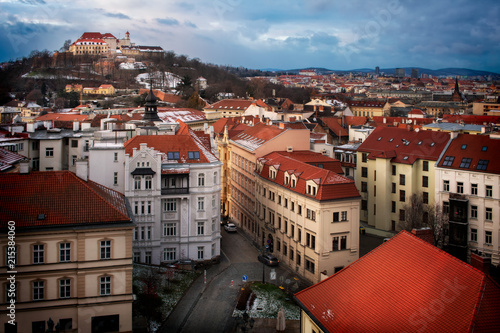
x=150, y=108
x=457, y=96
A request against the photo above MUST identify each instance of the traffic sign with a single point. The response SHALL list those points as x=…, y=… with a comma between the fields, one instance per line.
x=245, y=278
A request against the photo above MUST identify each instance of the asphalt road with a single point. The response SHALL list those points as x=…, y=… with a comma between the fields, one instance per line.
x=209, y=307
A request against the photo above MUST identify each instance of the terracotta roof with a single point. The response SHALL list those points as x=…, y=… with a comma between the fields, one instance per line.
x=354, y=120
x=471, y=119
x=331, y=185
x=61, y=196
x=171, y=115
x=62, y=117
x=231, y=104
x=181, y=143
x=313, y=158
x=403, y=145
x=8, y=159
x=480, y=149
x=334, y=124
x=255, y=136
x=405, y=285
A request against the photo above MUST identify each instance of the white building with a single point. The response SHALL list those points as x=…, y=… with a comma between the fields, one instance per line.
x=467, y=181
x=173, y=185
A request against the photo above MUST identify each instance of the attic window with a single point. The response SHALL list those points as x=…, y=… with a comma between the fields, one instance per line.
x=173, y=155
x=464, y=146
x=380, y=138
x=41, y=217
x=391, y=139
x=448, y=160
x=419, y=143
x=405, y=158
x=432, y=144
x=482, y=164
x=465, y=162
x=485, y=148
x=194, y=155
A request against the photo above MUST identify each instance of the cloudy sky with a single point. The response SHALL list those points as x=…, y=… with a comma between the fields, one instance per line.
x=283, y=34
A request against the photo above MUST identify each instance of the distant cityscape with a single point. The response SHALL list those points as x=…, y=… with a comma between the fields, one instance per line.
x=127, y=171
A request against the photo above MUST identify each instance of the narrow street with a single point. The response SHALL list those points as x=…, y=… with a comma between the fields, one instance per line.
x=209, y=307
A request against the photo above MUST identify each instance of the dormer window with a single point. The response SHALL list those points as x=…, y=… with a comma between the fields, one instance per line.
x=193, y=155
x=294, y=181
x=272, y=173
x=173, y=155
x=311, y=188
x=287, y=179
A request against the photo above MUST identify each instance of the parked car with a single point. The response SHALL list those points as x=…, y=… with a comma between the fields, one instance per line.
x=230, y=227
x=187, y=264
x=268, y=259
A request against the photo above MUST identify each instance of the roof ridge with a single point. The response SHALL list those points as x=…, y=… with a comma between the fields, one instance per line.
x=102, y=187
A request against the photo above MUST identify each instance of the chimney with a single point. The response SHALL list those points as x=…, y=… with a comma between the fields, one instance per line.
x=30, y=127
x=76, y=126
x=82, y=169
x=425, y=234
x=24, y=167
x=480, y=262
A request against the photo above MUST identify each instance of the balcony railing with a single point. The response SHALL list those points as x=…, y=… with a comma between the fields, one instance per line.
x=179, y=190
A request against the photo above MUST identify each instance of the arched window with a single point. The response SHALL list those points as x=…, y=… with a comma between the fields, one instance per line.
x=201, y=179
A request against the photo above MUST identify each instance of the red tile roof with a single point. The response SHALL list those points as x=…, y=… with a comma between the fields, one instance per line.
x=477, y=148
x=8, y=159
x=405, y=285
x=334, y=124
x=471, y=119
x=231, y=104
x=331, y=185
x=354, y=120
x=62, y=117
x=255, y=136
x=313, y=158
x=182, y=143
x=404, y=146
x=64, y=198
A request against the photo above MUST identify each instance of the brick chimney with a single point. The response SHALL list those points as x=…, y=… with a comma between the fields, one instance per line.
x=424, y=234
x=480, y=262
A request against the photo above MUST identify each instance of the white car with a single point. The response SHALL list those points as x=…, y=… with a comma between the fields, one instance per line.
x=230, y=227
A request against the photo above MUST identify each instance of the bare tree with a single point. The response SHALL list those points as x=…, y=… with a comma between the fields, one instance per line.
x=422, y=215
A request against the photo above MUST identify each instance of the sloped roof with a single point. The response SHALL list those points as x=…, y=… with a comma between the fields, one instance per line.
x=405, y=285
x=403, y=145
x=62, y=117
x=331, y=185
x=255, y=136
x=231, y=104
x=313, y=158
x=182, y=143
x=186, y=115
x=64, y=198
x=8, y=159
x=477, y=148
x=334, y=125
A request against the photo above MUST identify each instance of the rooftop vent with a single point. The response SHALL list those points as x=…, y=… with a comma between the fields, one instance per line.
x=289, y=149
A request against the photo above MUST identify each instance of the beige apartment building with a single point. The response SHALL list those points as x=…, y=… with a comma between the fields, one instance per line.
x=240, y=154
x=72, y=255
x=393, y=164
x=307, y=212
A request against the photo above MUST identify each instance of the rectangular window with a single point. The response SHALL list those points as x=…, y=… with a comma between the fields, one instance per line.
x=38, y=290
x=402, y=195
x=285, y=249
x=201, y=254
x=299, y=209
x=343, y=215
x=115, y=178
x=105, y=285
x=64, y=252
x=169, y=254
x=393, y=206
x=402, y=215
x=137, y=183
x=364, y=157
x=473, y=189
x=473, y=212
x=482, y=165
x=73, y=159
x=115, y=157
x=343, y=242
x=310, y=265
x=336, y=217
x=137, y=257
x=446, y=185
x=173, y=155
x=105, y=249
x=393, y=188
x=488, y=237
x=460, y=187
x=201, y=203
x=364, y=205
x=38, y=254
x=335, y=244
x=473, y=235
x=49, y=152
x=425, y=181
x=65, y=288
x=489, y=214
x=402, y=180
x=364, y=172
x=298, y=259
x=489, y=191
x=201, y=179
x=170, y=205
x=393, y=170
x=299, y=235
x=465, y=162
x=194, y=155
x=147, y=257
x=425, y=197
x=364, y=186
x=374, y=190
x=425, y=166
x=446, y=207
x=292, y=208
x=448, y=160
x=148, y=183
x=201, y=228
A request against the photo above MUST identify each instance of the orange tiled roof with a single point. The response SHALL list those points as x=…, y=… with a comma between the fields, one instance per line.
x=330, y=184
x=64, y=198
x=231, y=104
x=62, y=117
x=405, y=285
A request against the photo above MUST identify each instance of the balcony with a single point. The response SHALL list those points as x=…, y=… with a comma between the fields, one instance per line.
x=174, y=190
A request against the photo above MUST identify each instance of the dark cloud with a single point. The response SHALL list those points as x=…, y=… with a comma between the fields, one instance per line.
x=167, y=21
x=118, y=15
x=190, y=24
